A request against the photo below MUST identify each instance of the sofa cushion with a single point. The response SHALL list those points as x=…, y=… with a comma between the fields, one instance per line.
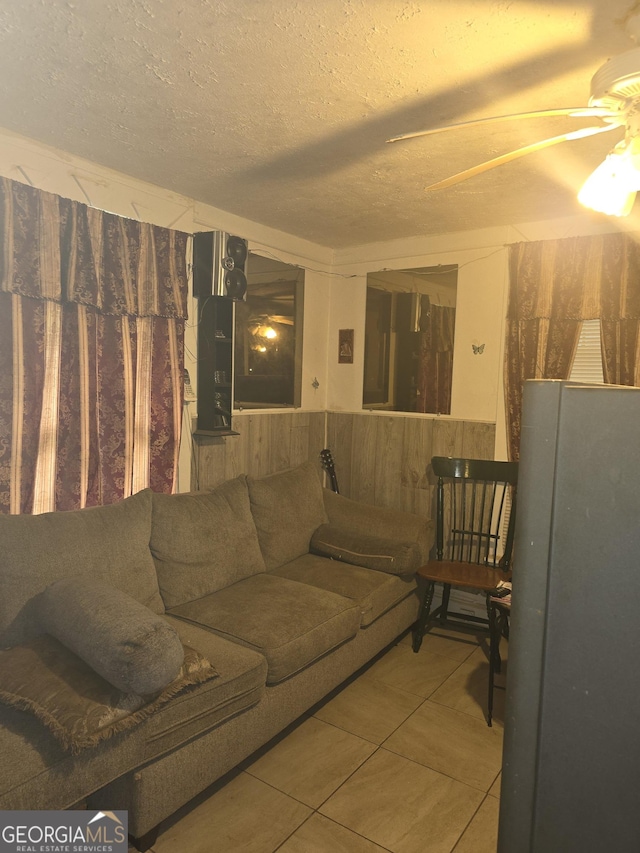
x=242, y=674
x=374, y=592
x=77, y=705
x=127, y=644
x=109, y=543
x=204, y=541
x=287, y=507
x=364, y=549
x=290, y=623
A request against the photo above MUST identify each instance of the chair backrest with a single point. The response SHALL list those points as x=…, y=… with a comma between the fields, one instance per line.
x=473, y=499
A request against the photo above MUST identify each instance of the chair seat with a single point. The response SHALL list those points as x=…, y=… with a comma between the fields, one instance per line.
x=471, y=575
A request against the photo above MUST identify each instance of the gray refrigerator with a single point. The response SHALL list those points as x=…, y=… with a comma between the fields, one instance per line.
x=571, y=765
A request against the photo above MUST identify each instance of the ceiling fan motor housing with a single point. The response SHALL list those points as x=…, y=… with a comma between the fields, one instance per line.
x=616, y=85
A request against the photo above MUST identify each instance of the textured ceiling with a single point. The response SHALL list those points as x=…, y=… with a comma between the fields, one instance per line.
x=278, y=110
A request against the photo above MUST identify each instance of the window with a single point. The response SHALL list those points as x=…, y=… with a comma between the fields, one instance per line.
x=587, y=364
x=409, y=333
x=377, y=347
x=268, y=336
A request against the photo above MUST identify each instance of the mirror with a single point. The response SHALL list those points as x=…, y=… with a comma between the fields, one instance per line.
x=409, y=333
x=268, y=336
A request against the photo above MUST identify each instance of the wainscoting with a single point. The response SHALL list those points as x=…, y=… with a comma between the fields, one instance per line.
x=384, y=460
x=266, y=443
x=379, y=459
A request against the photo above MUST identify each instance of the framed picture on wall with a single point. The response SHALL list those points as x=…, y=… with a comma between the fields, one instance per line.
x=345, y=346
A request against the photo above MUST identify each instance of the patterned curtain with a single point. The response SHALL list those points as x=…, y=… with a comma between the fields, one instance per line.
x=554, y=286
x=435, y=365
x=620, y=311
x=92, y=310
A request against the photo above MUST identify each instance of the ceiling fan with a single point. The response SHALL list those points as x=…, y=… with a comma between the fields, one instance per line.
x=615, y=100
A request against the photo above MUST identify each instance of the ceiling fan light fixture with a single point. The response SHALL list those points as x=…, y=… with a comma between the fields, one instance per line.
x=612, y=187
x=262, y=327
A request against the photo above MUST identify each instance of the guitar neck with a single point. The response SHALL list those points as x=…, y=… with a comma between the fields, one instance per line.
x=329, y=467
x=333, y=480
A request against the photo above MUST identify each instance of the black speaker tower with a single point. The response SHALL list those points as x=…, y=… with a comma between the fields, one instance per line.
x=219, y=265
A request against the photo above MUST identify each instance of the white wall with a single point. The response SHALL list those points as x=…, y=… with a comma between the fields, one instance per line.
x=348, y=306
x=482, y=277
x=482, y=257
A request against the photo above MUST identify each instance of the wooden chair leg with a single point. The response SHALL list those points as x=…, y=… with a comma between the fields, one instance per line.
x=444, y=607
x=498, y=628
x=494, y=643
x=423, y=617
x=492, y=616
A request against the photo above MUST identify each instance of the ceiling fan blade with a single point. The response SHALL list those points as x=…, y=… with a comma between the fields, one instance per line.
x=574, y=112
x=519, y=152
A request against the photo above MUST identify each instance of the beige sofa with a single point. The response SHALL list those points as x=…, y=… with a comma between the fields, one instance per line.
x=275, y=590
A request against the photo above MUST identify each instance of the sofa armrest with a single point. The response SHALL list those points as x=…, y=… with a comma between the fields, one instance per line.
x=381, y=521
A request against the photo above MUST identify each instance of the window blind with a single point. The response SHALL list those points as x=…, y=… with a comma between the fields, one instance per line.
x=587, y=365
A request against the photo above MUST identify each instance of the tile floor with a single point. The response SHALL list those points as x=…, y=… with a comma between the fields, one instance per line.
x=399, y=760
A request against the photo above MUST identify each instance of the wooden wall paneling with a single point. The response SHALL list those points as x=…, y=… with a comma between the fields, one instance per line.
x=317, y=432
x=417, y=446
x=281, y=440
x=478, y=440
x=316, y=436
x=210, y=466
x=364, y=447
x=237, y=448
x=379, y=460
x=261, y=429
x=196, y=465
x=306, y=439
x=265, y=443
x=447, y=437
x=298, y=451
x=331, y=421
x=251, y=451
x=387, y=462
x=339, y=441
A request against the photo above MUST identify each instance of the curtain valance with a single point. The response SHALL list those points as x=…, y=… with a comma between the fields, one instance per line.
x=575, y=278
x=61, y=250
x=554, y=286
x=92, y=315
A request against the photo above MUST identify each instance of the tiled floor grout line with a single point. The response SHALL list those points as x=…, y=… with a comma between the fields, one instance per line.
x=316, y=810
x=480, y=804
x=439, y=772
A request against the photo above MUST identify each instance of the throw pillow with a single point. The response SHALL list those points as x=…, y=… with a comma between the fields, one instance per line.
x=371, y=552
x=122, y=640
x=287, y=507
x=79, y=707
x=381, y=521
